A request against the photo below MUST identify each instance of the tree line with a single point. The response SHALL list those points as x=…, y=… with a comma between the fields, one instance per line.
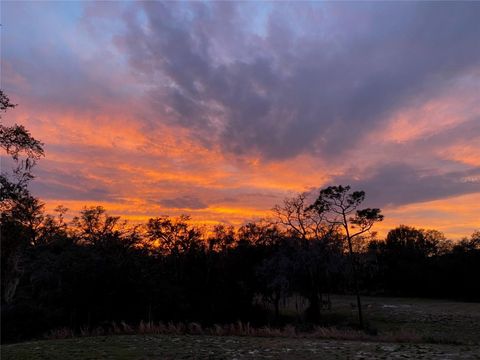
x=98, y=268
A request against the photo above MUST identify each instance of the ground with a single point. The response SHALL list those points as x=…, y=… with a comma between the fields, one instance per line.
x=433, y=320
x=223, y=347
x=440, y=329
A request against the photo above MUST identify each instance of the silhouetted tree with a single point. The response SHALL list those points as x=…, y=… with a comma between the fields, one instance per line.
x=21, y=213
x=339, y=207
x=275, y=275
x=24, y=150
x=258, y=233
x=300, y=219
x=315, y=251
x=173, y=236
x=410, y=242
x=469, y=244
x=222, y=238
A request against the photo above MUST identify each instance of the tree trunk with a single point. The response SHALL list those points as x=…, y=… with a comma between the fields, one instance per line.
x=277, y=308
x=313, y=311
x=355, y=280
x=12, y=277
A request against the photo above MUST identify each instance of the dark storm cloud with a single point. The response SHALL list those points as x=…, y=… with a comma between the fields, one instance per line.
x=314, y=78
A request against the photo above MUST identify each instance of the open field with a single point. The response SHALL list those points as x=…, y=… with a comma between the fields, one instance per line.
x=432, y=320
x=223, y=347
x=438, y=330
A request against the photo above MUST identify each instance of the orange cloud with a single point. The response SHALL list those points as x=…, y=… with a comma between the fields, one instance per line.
x=457, y=216
x=468, y=154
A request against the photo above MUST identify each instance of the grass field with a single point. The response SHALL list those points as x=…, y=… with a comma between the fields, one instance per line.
x=433, y=320
x=223, y=347
x=439, y=330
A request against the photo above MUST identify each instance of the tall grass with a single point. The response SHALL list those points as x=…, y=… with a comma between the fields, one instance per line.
x=234, y=329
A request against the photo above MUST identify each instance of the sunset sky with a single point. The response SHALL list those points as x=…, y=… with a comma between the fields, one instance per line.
x=221, y=109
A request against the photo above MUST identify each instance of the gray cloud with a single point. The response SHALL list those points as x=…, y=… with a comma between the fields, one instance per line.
x=184, y=202
x=61, y=192
x=303, y=83
x=401, y=184
x=53, y=181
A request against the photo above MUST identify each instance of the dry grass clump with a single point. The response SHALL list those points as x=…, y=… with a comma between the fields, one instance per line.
x=234, y=329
